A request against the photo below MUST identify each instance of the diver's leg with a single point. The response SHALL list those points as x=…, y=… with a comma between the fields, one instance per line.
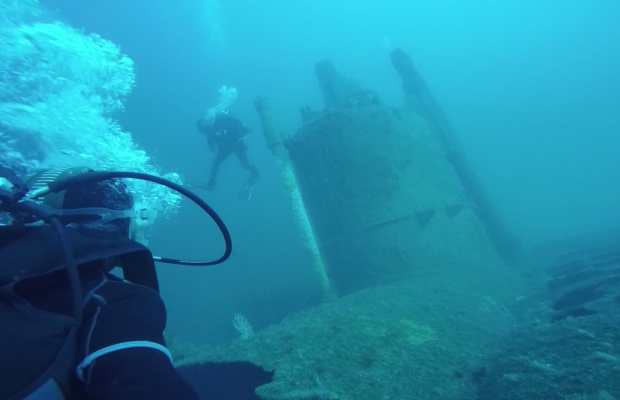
x=221, y=155
x=248, y=187
x=242, y=155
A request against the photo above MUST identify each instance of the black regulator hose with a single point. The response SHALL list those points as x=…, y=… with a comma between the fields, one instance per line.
x=10, y=202
x=88, y=178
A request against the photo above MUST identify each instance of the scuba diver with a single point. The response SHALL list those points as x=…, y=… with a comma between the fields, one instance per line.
x=70, y=328
x=225, y=135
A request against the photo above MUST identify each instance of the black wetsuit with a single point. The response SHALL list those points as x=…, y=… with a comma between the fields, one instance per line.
x=226, y=136
x=115, y=312
x=40, y=340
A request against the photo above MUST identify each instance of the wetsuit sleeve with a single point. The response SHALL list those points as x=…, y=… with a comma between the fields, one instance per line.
x=126, y=313
x=209, y=134
x=219, y=124
x=211, y=141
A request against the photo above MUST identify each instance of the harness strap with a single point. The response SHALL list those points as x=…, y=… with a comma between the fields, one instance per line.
x=115, y=347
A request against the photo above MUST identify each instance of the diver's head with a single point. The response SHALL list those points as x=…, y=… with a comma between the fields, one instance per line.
x=97, y=201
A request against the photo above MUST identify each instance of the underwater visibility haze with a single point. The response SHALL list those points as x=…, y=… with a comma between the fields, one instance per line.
x=424, y=197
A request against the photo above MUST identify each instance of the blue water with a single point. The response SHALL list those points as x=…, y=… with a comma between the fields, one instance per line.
x=531, y=88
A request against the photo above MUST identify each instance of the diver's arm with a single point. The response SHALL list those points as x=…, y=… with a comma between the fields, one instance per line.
x=211, y=142
x=137, y=373
x=133, y=317
x=209, y=131
x=211, y=134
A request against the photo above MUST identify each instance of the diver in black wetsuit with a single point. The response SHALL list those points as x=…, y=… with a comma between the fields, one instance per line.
x=225, y=134
x=116, y=350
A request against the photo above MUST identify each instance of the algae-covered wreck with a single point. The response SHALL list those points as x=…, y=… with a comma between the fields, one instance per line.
x=405, y=246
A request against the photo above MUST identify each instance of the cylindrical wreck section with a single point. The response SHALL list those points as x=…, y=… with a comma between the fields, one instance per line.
x=384, y=202
x=273, y=137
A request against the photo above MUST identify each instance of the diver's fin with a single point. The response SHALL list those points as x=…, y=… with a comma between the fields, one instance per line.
x=248, y=189
x=204, y=186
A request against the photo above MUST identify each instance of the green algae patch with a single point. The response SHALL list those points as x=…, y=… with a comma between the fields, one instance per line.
x=412, y=340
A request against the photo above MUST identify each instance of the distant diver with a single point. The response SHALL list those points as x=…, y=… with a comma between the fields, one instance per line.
x=225, y=135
